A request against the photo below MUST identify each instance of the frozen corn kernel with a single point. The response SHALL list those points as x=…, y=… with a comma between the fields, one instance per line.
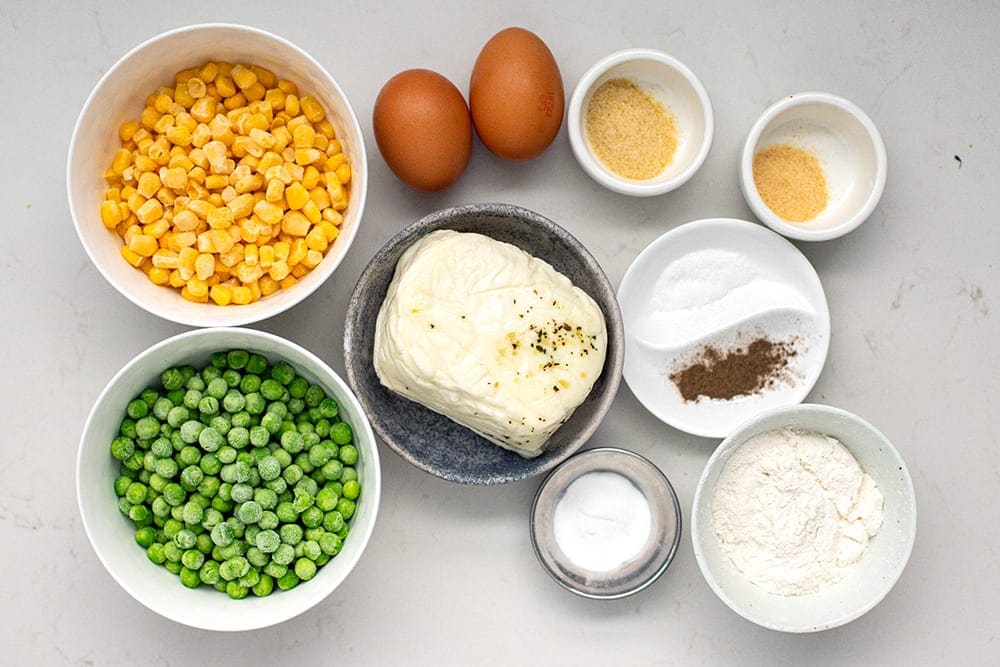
x=295, y=223
x=111, y=214
x=312, y=109
x=204, y=266
x=241, y=295
x=221, y=294
x=269, y=213
x=296, y=196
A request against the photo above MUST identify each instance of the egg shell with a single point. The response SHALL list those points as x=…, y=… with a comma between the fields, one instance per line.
x=423, y=129
x=516, y=95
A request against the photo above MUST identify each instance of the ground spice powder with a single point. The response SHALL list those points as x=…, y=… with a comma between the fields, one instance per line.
x=738, y=372
x=790, y=181
x=630, y=131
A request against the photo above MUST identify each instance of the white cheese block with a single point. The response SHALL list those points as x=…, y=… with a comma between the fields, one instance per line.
x=489, y=336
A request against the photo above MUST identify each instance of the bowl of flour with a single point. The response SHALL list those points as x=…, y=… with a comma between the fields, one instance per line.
x=804, y=518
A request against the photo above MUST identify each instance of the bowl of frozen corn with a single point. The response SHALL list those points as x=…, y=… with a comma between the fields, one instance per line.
x=217, y=175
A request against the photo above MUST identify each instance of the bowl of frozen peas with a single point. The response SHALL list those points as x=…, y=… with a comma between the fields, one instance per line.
x=228, y=479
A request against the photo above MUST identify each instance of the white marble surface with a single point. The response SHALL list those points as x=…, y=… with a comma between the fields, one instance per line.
x=449, y=577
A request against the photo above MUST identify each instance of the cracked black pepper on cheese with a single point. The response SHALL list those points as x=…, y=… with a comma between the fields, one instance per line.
x=489, y=336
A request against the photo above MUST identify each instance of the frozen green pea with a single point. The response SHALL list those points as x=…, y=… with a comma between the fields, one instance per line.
x=185, y=539
x=312, y=517
x=268, y=541
x=161, y=448
x=249, y=512
x=145, y=536
x=232, y=377
x=192, y=559
x=227, y=454
x=171, y=379
x=264, y=586
x=195, y=382
x=250, y=383
x=161, y=408
x=137, y=409
x=172, y=551
x=174, y=494
x=255, y=403
x=217, y=388
x=210, y=439
x=284, y=554
x=136, y=493
x=233, y=568
x=276, y=569
x=189, y=577
x=191, y=477
x=237, y=358
x=297, y=387
x=350, y=474
x=122, y=448
x=155, y=553
x=318, y=456
x=210, y=464
x=292, y=474
x=291, y=442
x=268, y=520
x=173, y=567
x=178, y=415
x=346, y=508
x=352, y=490
x=208, y=405
x=192, y=397
x=222, y=535
x=166, y=468
x=193, y=513
x=348, y=453
x=290, y=533
x=233, y=401
x=238, y=437
x=332, y=470
x=326, y=499
x=139, y=515
x=211, y=518
x=209, y=486
x=283, y=372
x=147, y=428
x=296, y=406
x=328, y=408
x=314, y=396
x=256, y=364
x=241, y=419
x=257, y=557
x=302, y=501
x=188, y=455
x=289, y=581
x=241, y=471
x=330, y=544
x=266, y=498
x=305, y=569
x=271, y=389
x=259, y=436
x=308, y=486
x=209, y=572
x=190, y=430
x=160, y=507
x=121, y=485
x=341, y=434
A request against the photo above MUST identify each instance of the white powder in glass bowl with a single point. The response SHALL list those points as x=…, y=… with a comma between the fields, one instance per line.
x=794, y=511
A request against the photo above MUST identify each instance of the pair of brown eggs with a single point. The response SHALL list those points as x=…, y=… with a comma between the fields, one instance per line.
x=424, y=128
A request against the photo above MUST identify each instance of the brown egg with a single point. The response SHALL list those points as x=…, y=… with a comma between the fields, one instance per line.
x=516, y=95
x=423, y=129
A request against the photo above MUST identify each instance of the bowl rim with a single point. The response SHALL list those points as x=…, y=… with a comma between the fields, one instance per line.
x=246, y=314
x=365, y=427
x=735, y=440
x=603, y=176
x=769, y=217
x=613, y=324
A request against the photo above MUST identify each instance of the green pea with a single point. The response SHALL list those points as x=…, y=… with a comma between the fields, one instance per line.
x=350, y=474
x=305, y=569
x=155, y=553
x=341, y=433
x=352, y=490
x=209, y=572
x=346, y=508
x=237, y=358
x=238, y=437
x=332, y=470
x=268, y=520
x=264, y=586
x=145, y=536
x=137, y=409
x=256, y=364
x=192, y=559
x=171, y=379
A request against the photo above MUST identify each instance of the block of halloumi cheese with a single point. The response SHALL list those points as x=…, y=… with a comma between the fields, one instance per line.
x=489, y=336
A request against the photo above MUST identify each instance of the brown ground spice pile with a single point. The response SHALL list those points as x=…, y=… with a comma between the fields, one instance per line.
x=737, y=372
x=790, y=181
x=630, y=131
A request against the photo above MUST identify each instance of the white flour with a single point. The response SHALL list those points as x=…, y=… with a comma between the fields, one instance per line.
x=794, y=511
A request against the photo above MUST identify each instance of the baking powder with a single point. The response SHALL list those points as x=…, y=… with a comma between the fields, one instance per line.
x=602, y=521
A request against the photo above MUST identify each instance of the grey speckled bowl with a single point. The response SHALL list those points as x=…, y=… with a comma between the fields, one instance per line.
x=431, y=441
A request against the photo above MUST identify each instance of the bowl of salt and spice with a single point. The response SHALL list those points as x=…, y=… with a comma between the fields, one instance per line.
x=725, y=321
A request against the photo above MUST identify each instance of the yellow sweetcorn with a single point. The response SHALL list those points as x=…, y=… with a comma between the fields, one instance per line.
x=230, y=182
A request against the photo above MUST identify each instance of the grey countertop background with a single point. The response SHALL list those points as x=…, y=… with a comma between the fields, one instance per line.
x=449, y=576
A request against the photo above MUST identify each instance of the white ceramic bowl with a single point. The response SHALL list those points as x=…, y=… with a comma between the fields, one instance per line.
x=112, y=534
x=875, y=573
x=850, y=152
x=680, y=91
x=120, y=95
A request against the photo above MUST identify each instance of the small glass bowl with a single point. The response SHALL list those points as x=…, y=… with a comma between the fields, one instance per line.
x=638, y=572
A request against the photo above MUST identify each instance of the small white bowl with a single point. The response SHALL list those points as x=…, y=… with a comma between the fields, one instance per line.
x=113, y=536
x=875, y=573
x=120, y=96
x=850, y=152
x=680, y=91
